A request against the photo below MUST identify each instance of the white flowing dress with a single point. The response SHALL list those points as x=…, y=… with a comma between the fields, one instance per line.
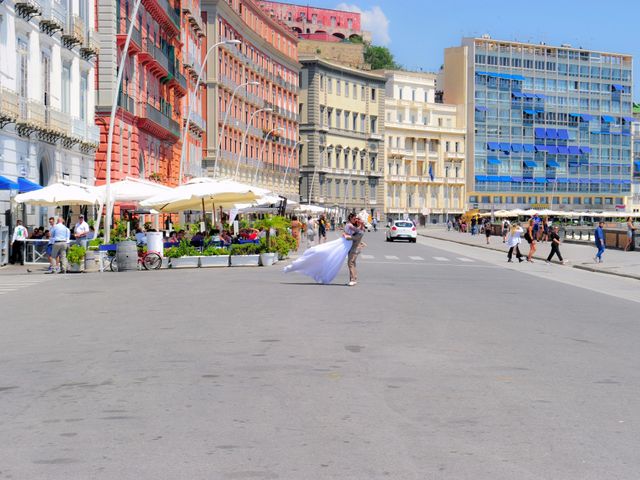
x=322, y=262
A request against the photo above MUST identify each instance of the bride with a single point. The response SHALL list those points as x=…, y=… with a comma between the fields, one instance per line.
x=322, y=262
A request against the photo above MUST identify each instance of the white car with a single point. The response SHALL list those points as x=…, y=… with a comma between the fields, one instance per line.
x=402, y=229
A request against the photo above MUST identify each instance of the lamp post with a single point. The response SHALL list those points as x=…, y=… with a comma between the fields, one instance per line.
x=112, y=119
x=224, y=122
x=244, y=137
x=186, y=125
x=286, y=170
x=264, y=142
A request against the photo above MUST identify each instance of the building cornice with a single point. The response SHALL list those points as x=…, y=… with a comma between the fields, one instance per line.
x=311, y=59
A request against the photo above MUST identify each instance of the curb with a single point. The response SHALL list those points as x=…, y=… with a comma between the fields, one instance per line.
x=579, y=267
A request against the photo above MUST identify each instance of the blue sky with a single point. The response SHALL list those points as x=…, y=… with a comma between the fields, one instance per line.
x=419, y=31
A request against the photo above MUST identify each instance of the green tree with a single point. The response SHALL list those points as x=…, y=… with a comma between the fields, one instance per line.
x=379, y=58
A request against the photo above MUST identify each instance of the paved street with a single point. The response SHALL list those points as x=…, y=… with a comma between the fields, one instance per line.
x=445, y=362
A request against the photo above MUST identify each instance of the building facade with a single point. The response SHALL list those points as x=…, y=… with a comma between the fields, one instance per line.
x=634, y=198
x=258, y=143
x=547, y=126
x=425, y=150
x=147, y=132
x=313, y=23
x=342, y=128
x=47, y=131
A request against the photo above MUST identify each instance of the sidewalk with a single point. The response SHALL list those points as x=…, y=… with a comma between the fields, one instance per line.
x=616, y=262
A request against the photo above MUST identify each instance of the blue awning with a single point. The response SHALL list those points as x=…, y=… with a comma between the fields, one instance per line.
x=626, y=181
x=481, y=109
x=585, y=149
x=493, y=161
x=505, y=147
x=527, y=147
x=563, y=150
x=595, y=180
x=516, y=179
x=626, y=134
x=617, y=88
x=552, y=163
x=516, y=94
x=541, y=148
x=586, y=117
x=562, y=180
x=25, y=185
x=540, y=180
x=519, y=78
x=528, y=179
x=637, y=164
x=505, y=178
x=552, y=133
x=529, y=111
x=605, y=133
x=493, y=178
x=7, y=184
x=574, y=163
x=605, y=180
x=493, y=146
x=608, y=119
x=481, y=178
x=530, y=163
x=617, y=182
x=516, y=147
x=540, y=132
x=529, y=95
x=482, y=73
x=584, y=180
x=574, y=151
x=629, y=119
x=539, y=95
x=563, y=134
x=551, y=149
x=577, y=115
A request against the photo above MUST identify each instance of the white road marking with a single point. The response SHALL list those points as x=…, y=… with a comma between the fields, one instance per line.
x=462, y=259
x=441, y=259
x=391, y=257
x=416, y=258
x=367, y=257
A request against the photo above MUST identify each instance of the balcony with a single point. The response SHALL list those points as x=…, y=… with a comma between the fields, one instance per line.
x=157, y=123
x=84, y=133
x=9, y=107
x=73, y=33
x=57, y=123
x=155, y=59
x=54, y=18
x=127, y=103
x=374, y=136
x=164, y=14
x=192, y=12
x=135, y=45
x=28, y=9
x=31, y=117
x=177, y=80
x=91, y=47
x=197, y=123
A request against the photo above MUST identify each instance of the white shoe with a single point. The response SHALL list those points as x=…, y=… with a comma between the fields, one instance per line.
x=351, y=283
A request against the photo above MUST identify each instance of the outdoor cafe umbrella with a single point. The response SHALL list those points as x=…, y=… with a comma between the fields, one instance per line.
x=60, y=194
x=132, y=190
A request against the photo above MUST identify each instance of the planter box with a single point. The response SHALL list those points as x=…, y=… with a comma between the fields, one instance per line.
x=245, y=260
x=268, y=259
x=76, y=267
x=214, y=261
x=166, y=262
x=185, y=262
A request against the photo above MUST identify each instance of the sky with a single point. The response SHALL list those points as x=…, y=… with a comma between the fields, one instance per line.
x=418, y=31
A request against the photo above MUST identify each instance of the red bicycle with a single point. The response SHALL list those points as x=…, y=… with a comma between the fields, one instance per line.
x=147, y=260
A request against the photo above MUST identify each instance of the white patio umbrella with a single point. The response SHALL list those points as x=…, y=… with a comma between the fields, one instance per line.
x=60, y=194
x=132, y=190
x=307, y=208
x=193, y=194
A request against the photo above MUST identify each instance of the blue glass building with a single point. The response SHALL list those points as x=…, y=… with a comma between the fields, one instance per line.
x=548, y=127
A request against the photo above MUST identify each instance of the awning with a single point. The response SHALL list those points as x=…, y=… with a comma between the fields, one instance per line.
x=505, y=178
x=541, y=148
x=516, y=94
x=551, y=149
x=529, y=111
x=25, y=185
x=577, y=115
x=563, y=150
x=7, y=184
x=585, y=149
x=563, y=134
x=505, y=147
x=493, y=161
x=493, y=178
x=629, y=119
x=608, y=119
x=481, y=178
x=481, y=109
x=586, y=117
x=539, y=95
x=574, y=163
x=540, y=132
x=493, y=146
x=529, y=95
x=617, y=88
x=562, y=180
x=595, y=180
x=527, y=147
x=540, y=180
x=519, y=78
x=584, y=180
x=516, y=147
x=626, y=181
x=574, y=150
x=637, y=164
x=617, y=182
x=530, y=163
x=528, y=179
x=552, y=133
x=516, y=179
x=552, y=163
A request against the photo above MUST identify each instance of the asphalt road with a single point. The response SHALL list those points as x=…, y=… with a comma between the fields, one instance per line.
x=444, y=362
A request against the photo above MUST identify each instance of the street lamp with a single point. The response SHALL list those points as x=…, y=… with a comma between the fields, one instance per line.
x=186, y=125
x=286, y=170
x=264, y=142
x=224, y=122
x=112, y=119
x=244, y=137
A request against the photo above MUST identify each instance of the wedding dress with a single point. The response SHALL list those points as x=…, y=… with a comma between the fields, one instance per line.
x=322, y=262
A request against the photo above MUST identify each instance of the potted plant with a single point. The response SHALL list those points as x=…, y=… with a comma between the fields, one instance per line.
x=183, y=256
x=75, y=257
x=268, y=253
x=214, y=257
x=245, y=255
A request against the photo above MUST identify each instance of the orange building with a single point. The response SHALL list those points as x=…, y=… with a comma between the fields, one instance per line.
x=267, y=55
x=165, y=48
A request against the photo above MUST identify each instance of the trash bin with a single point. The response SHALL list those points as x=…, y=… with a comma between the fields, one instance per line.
x=155, y=243
x=127, y=256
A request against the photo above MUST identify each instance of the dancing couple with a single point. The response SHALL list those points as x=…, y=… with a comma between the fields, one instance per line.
x=322, y=262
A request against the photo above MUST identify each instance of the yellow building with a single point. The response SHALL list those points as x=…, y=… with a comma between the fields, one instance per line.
x=342, y=129
x=425, y=150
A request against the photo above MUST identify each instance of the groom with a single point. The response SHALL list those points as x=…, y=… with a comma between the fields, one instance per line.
x=354, y=231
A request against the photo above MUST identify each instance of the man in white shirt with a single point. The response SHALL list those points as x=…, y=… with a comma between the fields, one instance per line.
x=60, y=239
x=20, y=234
x=81, y=231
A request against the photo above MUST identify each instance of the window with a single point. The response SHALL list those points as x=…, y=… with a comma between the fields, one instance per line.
x=346, y=89
x=83, y=96
x=374, y=124
x=373, y=94
x=338, y=87
x=66, y=86
x=330, y=85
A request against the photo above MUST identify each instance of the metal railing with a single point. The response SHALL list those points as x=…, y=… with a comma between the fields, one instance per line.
x=161, y=119
x=31, y=113
x=9, y=107
x=173, y=15
x=58, y=121
x=126, y=102
x=157, y=53
x=54, y=12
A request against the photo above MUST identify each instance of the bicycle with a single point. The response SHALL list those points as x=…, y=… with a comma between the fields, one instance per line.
x=147, y=260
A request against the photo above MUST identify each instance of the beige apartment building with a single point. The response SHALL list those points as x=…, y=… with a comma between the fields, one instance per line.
x=425, y=150
x=342, y=130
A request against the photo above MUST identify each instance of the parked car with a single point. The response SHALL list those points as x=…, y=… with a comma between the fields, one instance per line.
x=402, y=230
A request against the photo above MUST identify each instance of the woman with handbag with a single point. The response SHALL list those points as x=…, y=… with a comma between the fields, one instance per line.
x=530, y=236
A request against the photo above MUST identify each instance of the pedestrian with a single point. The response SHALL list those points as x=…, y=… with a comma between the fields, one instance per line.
x=630, y=231
x=487, y=229
x=20, y=234
x=530, y=236
x=545, y=229
x=600, y=242
x=333, y=223
x=80, y=231
x=60, y=235
x=514, y=237
x=374, y=222
x=354, y=231
x=554, y=238
x=296, y=227
x=473, y=225
x=506, y=227
x=322, y=229
x=310, y=230
x=449, y=225
x=537, y=224
x=49, y=250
